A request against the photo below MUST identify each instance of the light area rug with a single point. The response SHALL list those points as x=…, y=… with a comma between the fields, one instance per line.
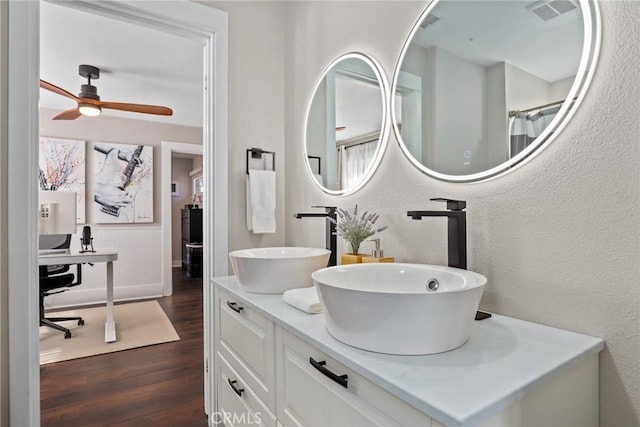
x=137, y=324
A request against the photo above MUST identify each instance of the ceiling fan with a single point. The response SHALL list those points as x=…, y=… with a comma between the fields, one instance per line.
x=89, y=103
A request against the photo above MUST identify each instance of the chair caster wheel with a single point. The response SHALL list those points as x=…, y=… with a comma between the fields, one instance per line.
x=81, y=322
x=67, y=335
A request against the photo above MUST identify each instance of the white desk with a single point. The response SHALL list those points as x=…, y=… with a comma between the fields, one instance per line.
x=103, y=255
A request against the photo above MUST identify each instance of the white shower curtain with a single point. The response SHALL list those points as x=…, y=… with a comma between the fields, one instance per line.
x=524, y=128
x=354, y=162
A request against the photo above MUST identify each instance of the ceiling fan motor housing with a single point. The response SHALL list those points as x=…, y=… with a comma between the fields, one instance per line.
x=89, y=72
x=90, y=92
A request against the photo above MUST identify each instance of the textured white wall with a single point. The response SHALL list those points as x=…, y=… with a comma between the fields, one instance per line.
x=558, y=239
x=256, y=107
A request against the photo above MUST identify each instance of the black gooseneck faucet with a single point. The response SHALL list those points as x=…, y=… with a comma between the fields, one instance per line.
x=457, y=235
x=457, y=229
x=330, y=229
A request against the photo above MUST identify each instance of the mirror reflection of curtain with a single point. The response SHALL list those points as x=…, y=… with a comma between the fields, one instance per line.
x=354, y=161
x=524, y=128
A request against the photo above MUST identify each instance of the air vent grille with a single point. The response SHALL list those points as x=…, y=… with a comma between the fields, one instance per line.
x=428, y=21
x=547, y=10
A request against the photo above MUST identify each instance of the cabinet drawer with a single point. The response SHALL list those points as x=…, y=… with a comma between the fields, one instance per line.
x=247, y=343
x=308, y=397
x=238, y=404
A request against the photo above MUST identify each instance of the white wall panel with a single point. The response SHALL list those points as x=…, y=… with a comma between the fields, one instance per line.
x=136, y=274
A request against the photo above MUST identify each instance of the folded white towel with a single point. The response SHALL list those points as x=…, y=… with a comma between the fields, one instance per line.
x=305, y=299
x=262, y=194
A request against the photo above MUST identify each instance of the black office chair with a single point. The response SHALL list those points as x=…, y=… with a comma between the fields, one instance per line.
x=54, y=279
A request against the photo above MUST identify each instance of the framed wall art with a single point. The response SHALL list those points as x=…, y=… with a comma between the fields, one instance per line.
x=123, y=183
x=62, y=168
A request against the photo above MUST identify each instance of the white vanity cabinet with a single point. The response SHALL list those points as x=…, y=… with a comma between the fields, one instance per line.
x=278, y=366
x=238, y=403
x=251, y=349
x=246, y=344
x=329, y=393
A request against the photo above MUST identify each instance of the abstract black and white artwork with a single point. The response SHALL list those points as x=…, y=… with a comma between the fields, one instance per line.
x=123, y=183
x=62, y=168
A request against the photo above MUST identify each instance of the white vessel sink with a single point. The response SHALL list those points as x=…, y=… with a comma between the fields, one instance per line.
x=388, y=308
x=275, y=270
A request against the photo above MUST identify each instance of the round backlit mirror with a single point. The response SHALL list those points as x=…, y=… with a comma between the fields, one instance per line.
x=482, y=85
x=347, y=124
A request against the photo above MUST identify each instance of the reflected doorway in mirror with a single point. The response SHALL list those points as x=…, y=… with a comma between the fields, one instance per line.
x=347, y=124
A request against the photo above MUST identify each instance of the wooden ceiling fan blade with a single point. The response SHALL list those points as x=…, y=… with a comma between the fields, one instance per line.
x=55, y=89
x=71, y=114
x=138, y=108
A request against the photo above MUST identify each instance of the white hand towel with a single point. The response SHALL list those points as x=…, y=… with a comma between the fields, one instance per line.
x=248, y=196
x=305, y=299
x=263, y=200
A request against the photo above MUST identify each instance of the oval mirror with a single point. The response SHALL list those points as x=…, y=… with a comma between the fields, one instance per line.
x=347, y=124
x=481, y=85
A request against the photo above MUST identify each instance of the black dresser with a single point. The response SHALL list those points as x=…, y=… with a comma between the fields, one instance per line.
x=191, y=230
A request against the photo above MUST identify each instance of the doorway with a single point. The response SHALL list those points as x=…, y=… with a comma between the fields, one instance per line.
x=179, y=17
x=171, y=230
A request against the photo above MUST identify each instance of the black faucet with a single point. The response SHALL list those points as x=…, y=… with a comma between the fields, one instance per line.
x=457, y=226
x=330, y=229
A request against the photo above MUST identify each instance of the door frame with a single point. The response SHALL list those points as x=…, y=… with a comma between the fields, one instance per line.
x=167, y=149
x=179, y=17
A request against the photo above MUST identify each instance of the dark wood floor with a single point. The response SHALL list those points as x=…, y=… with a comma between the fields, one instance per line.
x=159, y=385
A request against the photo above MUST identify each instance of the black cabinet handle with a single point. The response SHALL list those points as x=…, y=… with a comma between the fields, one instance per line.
x=235, y=388
x=340, y=379
x=235, y=307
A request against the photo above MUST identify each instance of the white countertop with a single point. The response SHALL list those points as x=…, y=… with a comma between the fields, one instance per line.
x=504, y=359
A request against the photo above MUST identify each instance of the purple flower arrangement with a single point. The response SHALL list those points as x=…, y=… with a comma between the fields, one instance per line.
x=355, y=228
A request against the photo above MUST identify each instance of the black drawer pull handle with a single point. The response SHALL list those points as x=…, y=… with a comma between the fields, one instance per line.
x=340, y=379
x=238, y=391
x=235, y=307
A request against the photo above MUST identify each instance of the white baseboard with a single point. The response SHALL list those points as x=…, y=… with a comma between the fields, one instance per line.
x=79, y=297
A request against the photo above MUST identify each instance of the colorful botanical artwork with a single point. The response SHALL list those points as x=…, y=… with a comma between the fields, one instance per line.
x=62, y=168
x=123, y=183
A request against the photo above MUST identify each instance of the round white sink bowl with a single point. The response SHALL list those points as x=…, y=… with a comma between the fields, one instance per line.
x=276, y=270
x=398, y=308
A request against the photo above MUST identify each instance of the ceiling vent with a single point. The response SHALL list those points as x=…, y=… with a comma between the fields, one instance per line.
x=428, y=21
x=547, y=10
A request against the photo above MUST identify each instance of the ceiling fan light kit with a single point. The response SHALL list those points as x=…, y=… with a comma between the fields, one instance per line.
x=88, y=100
x=89, y=109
